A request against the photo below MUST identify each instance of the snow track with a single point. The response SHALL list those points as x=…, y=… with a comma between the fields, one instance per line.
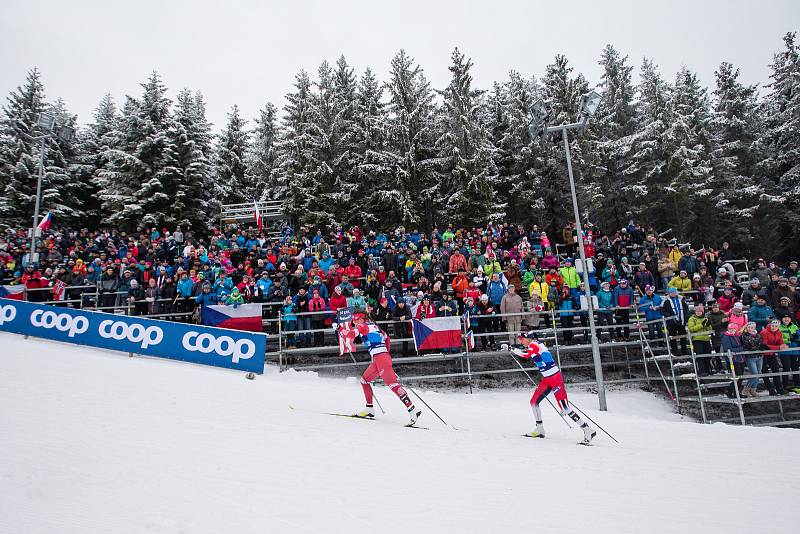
x=94, y=441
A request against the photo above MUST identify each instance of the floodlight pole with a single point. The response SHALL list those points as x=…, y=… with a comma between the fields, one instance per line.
x=38, y=196
x=598, y=368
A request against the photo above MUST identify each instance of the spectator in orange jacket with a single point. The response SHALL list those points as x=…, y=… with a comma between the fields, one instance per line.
x=460, y=284
x=457, y=262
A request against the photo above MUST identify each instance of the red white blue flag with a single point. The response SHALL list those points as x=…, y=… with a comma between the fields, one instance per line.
x=242, y=317
x=437, y=333
x=59, y=290
x=12, y=292
x=46, y=221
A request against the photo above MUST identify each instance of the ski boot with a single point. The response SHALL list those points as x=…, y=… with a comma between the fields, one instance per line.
x=366, y=413
x=414, y=415
x=588, y=434
x=537, y=433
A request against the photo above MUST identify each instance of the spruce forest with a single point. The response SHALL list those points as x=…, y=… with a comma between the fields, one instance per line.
x=711, y=163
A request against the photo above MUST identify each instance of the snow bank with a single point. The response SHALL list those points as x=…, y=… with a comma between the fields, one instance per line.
x=94, y=441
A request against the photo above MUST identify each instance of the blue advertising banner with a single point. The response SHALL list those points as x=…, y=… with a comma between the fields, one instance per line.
x=219, y=347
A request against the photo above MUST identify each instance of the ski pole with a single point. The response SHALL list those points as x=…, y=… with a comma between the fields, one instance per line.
x=428, y=406
x=593, y=422
x=375, y=398
x=536, y=385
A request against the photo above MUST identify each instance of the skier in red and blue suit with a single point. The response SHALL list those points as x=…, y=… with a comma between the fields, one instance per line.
x=377, y=342
x=552, y=382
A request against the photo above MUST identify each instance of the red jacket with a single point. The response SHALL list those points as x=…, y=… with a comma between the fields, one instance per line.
x=354, y=272
x=773, y=340
x=338, y=301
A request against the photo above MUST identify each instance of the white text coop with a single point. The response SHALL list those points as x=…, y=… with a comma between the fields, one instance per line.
x=7, y=314
x=223, y=345
x=146, y=336
x=63, y=322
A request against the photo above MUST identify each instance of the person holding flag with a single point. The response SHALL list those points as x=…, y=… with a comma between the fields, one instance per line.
x=552, y=382
x=376, y=341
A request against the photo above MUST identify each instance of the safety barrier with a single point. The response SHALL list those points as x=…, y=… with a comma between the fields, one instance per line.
x=136, y=335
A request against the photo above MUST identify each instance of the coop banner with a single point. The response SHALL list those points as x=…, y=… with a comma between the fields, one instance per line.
x=232, y=349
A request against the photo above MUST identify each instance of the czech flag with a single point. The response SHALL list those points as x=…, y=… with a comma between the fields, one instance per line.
x=471, y=340
x=46, y=221
x=12, y=292
x=437, y=333
x=242, y=317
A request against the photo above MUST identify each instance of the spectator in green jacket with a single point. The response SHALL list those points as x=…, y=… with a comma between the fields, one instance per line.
x=700, y=331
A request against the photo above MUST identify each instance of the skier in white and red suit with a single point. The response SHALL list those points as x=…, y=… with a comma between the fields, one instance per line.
x=376, y=341
x=552, y=382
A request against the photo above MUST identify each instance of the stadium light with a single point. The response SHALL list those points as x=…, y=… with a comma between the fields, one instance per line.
x=46, y=123
x=540, y=116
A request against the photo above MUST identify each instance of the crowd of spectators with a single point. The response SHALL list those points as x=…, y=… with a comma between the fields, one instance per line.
x=505, y=277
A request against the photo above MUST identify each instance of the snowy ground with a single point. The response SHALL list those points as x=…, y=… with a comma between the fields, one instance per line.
x=95, y=442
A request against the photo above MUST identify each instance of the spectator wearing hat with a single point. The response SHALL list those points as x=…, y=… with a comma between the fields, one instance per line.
x=605, y=312
x=752, y=291
x=732, y=344
x=762, y=272
x=486, y=322
x=738, y=317
x=760, y=313
x=784, y=308
x=700, y=331
x=772, y=339
x=752, y=345
x=650, y=306
x=682, y=282
x=569, y=277
x=676, y=312
x=782, y=290
x=318, y=306
x=623, y=300
x=790, y=360
x=727, y=300
x=643, y=278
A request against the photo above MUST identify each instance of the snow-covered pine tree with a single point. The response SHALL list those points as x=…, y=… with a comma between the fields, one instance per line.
x=687, y=144
x=375, y=189
x=19, y=154
x=62, y=192
x=517, y=157
x=468, y=175
x=330, y=159
x=132, y=192
x=648, y=158
x=781, y=144
x=92, y=142
x=261, y=158
x=562, y=91
x=734, y=127
x=614, y=187
x=293, y=157
x=185, y=165
x=232, y=184
x=411, y=139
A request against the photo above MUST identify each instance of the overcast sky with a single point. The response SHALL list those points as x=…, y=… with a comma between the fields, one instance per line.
x=247, y=53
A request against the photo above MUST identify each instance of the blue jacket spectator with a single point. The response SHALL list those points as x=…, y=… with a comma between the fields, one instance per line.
x=760, y=313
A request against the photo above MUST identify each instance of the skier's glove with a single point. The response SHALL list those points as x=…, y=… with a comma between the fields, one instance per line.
x=504, y=346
